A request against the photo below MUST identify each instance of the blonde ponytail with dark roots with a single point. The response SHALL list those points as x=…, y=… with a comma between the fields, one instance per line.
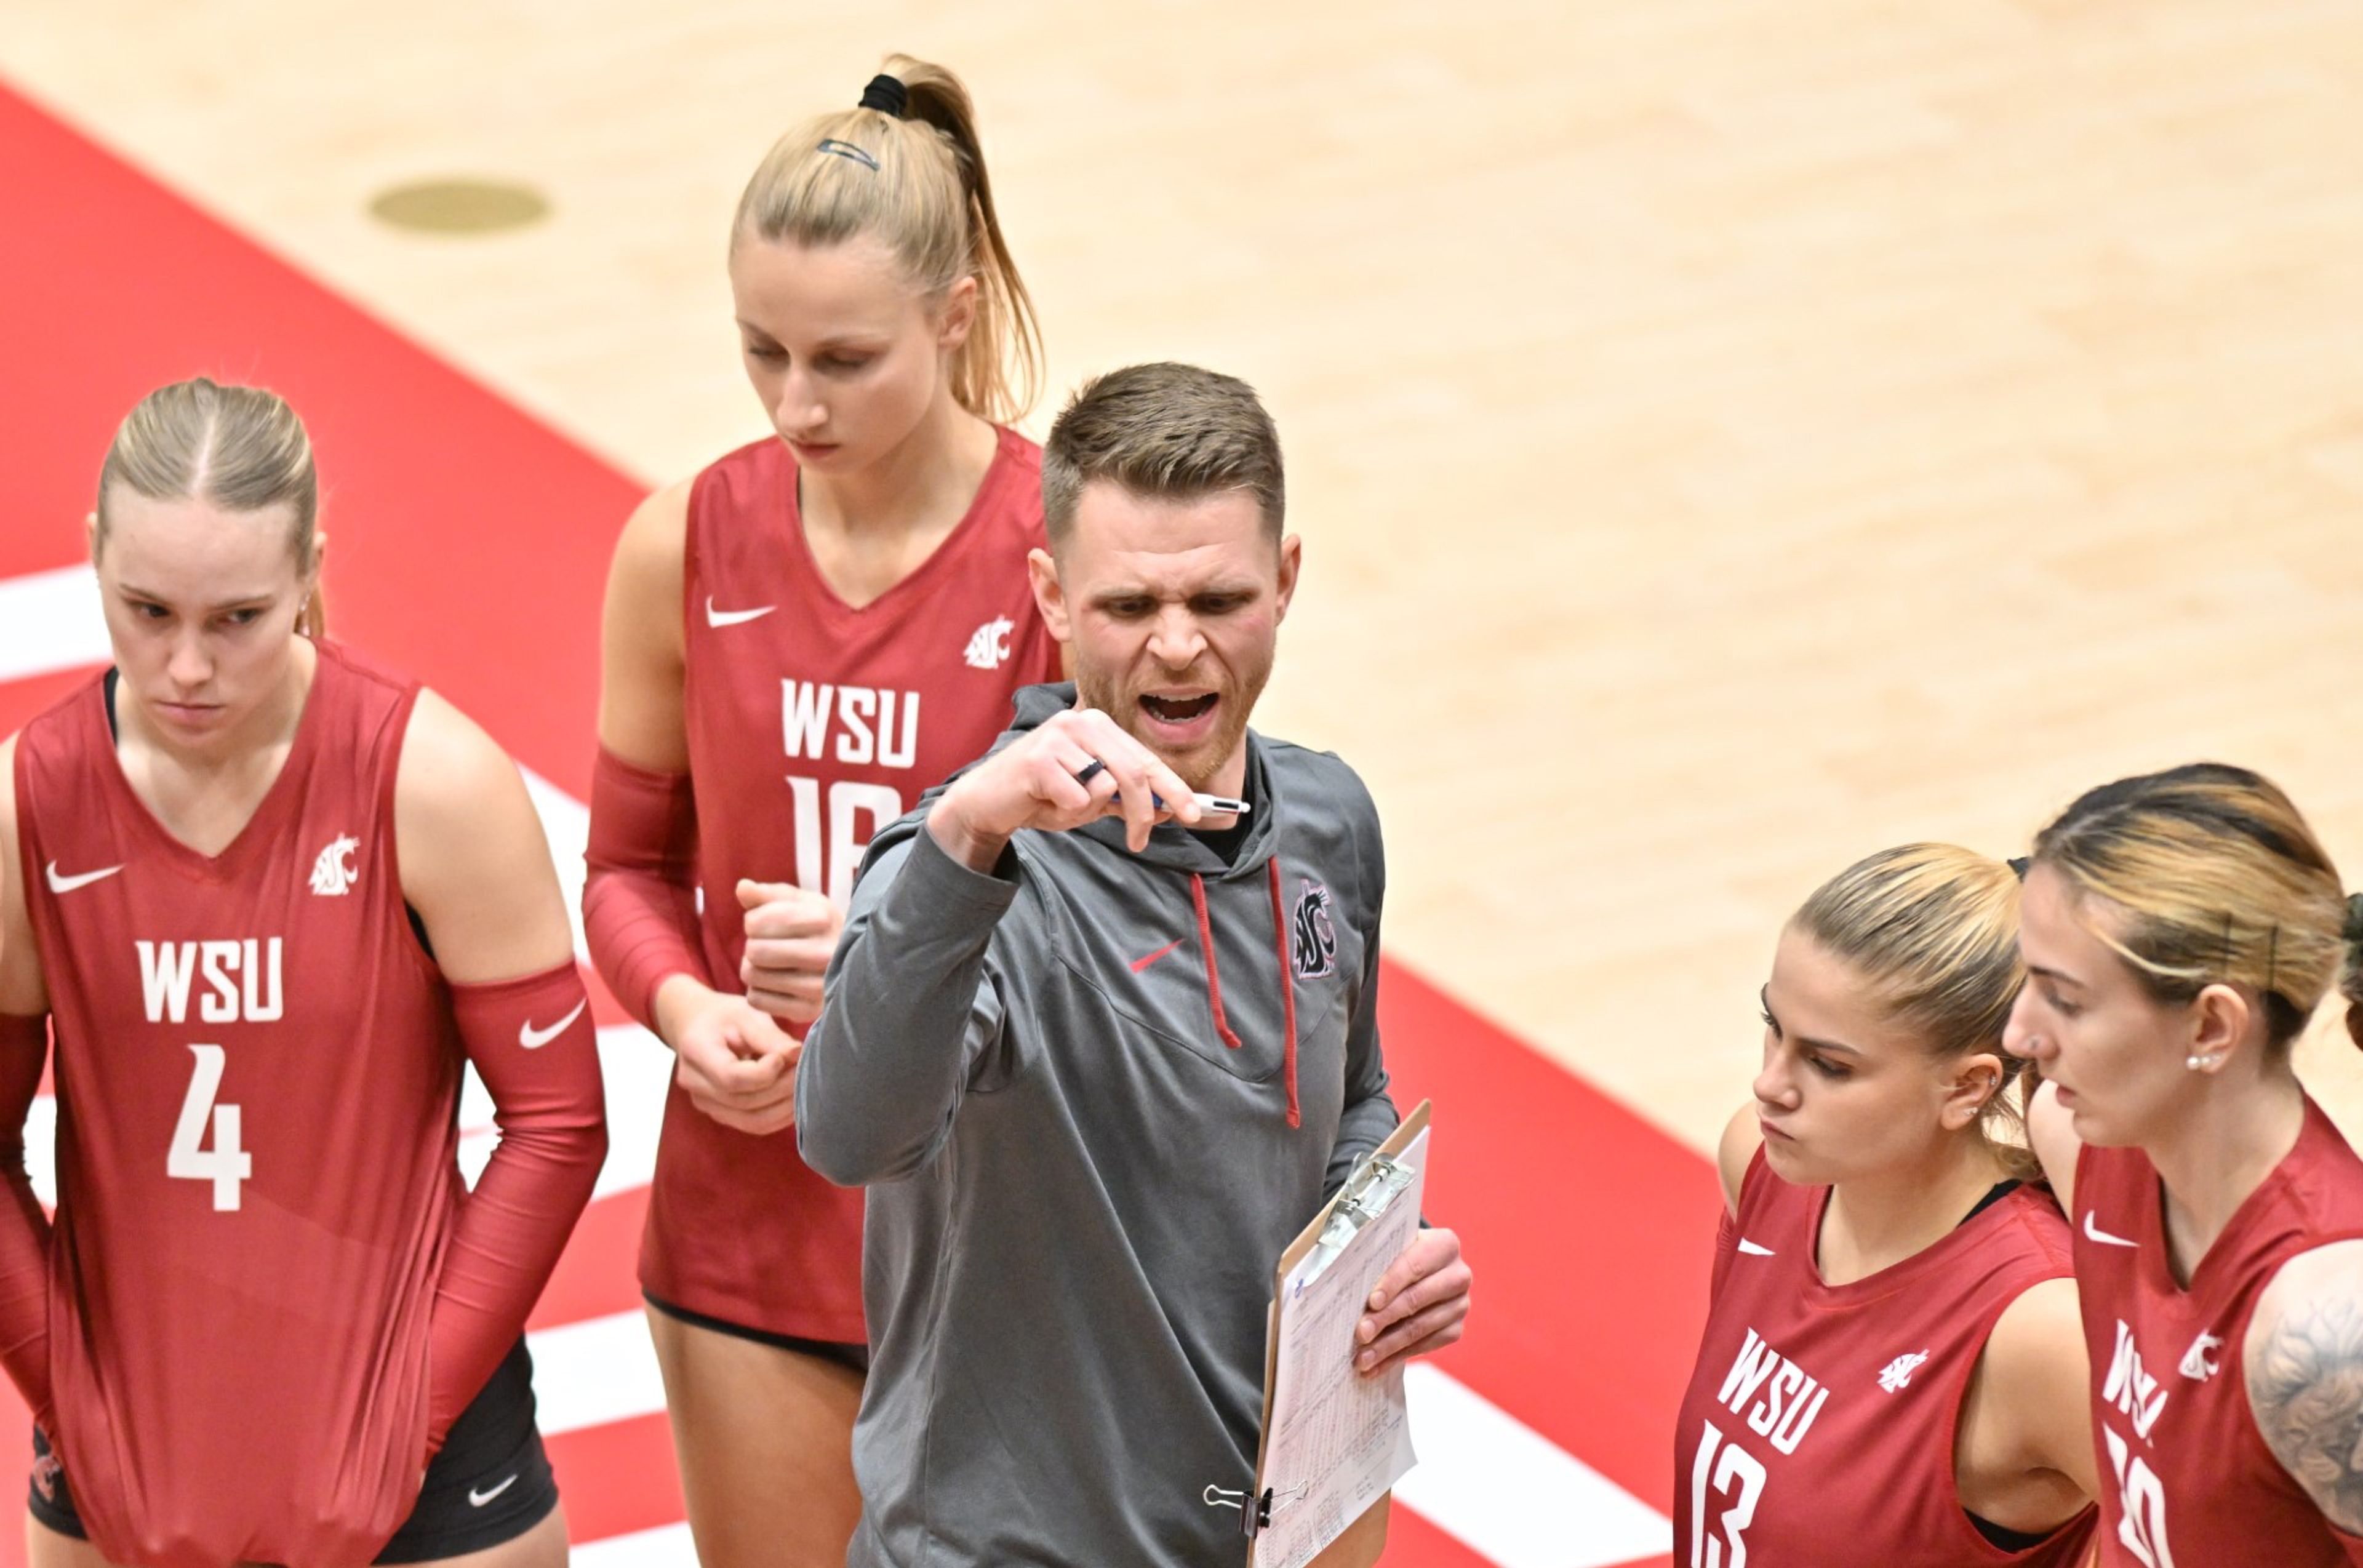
x=913, y=173
x=2218, y=879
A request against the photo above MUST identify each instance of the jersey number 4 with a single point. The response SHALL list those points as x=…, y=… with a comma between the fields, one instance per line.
x=1737, y=1475
x=224, y=1164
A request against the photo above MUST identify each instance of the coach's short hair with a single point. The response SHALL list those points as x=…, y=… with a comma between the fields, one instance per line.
x=1165, y=432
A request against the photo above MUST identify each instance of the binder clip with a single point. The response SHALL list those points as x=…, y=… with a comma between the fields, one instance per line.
x=1251, y=1520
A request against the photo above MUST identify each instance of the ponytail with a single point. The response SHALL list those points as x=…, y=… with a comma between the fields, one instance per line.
x=906, y=164
x=2350, y=968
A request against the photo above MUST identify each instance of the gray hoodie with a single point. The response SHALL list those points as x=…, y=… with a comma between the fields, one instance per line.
x=1075, y=1122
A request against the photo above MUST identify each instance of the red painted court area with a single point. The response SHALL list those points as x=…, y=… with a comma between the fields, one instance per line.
x=470, y=546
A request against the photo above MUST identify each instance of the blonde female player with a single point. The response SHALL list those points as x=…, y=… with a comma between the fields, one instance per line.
x=2180, y=928
x=1892, y=1316
x=267, y=897
x=798, y=641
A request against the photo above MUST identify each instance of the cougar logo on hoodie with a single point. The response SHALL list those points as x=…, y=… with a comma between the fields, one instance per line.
x=1317, y=939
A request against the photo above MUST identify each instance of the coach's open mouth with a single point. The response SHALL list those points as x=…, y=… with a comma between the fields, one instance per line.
x=1178, y=710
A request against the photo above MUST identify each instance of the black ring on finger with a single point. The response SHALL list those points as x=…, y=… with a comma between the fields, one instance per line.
x=1092, y=771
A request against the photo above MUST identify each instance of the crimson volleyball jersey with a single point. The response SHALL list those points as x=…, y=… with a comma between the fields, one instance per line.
x=257, y=1078
x=2187, y=1481
x=811, y=725
x=1818, y=1426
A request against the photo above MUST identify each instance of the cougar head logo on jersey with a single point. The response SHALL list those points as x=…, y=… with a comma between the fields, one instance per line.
x=1897, y=1374
x=1315, y=936
x=988, y=646
x=333, y=874
x=2199, y=1361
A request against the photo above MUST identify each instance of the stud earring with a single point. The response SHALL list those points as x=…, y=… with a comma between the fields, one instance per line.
x=2199, y=1063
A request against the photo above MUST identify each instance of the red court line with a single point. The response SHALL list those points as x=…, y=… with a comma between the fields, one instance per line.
x=20, y=701
x=467, y=543
x=470, y=546
x=617, y=1479
x=597, y=1275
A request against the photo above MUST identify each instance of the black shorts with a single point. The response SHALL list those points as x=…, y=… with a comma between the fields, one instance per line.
x=490, y=1482
x=854, y=1356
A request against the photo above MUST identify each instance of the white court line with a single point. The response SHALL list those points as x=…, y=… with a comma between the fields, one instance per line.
x=593, y=1372
x=666, y=1546
x=50, y=621
x=1511, y=1494
x=566, y=823
x=637, y=1071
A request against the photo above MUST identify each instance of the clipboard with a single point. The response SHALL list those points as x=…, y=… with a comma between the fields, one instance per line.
x=1342, y=1238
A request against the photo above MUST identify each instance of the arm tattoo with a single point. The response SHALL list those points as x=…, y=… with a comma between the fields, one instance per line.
x=2306, y=1387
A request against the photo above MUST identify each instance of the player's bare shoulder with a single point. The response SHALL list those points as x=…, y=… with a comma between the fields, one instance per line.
x=8, y=802
x=1743, y=1135
x=450, y=770
x=2304, y=1362
x=475, y=864
x=2051, y=1132
x=644, y=647
x=651, y=563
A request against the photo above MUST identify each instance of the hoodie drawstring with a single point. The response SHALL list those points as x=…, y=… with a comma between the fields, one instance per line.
x=1287, y=984
x=1214, y=975
x=1287, y=977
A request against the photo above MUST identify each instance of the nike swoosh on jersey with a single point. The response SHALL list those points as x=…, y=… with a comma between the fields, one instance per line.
x=68, y=884
x=533, y=1039
x=478, y=1500
x=1752, y=1249
x=1140, y=964
x=734, y=617
x=2097, y=1234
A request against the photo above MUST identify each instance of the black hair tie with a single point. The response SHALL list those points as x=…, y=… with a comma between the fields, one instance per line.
x=2352, y=930
x=2017, y=864
x=887, y=96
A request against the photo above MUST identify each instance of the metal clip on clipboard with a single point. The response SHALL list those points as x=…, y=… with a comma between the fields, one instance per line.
x=1365, y=1196
x=1256, y=1520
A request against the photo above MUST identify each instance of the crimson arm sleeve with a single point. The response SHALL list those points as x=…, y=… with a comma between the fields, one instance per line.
x=639, y=896
x=24, y=1228
x=533, y=1043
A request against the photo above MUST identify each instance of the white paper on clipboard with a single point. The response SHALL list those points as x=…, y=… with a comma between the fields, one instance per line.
x=1335, y=1441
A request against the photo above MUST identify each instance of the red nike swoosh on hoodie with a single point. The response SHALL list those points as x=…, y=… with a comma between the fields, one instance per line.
x=1140, y=964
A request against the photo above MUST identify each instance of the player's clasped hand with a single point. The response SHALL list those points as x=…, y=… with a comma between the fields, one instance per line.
x=736, y=1064
x=1077, y=767
x=1421, y=1304
x=791, y=934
